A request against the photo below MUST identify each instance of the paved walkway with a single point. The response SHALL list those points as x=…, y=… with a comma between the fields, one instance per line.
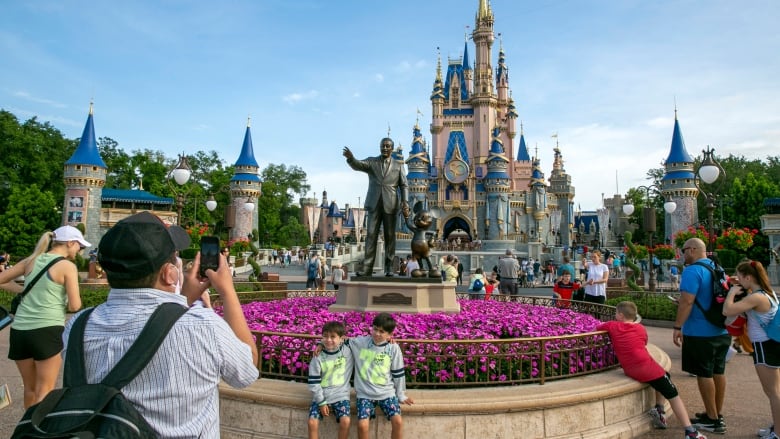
x=746, y=408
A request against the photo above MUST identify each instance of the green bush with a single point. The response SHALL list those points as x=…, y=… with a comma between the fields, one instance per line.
x=189, y=253
x=729, y=259
x=649, y=305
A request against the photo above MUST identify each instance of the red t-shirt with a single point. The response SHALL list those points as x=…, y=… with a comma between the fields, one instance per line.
x=566, y=291
x=629, y=341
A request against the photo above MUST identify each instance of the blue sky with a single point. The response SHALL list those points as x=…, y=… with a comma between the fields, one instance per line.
x=182, y=76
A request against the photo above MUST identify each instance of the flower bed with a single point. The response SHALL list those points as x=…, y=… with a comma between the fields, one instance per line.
x=487, y=343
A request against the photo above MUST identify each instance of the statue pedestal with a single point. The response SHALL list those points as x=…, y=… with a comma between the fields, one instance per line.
x=380, y=294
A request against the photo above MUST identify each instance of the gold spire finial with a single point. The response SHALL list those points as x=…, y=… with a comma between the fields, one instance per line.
x=91, y=105
x=248, y=121
x=388, y=129
x=438, y=64
x=675, y=108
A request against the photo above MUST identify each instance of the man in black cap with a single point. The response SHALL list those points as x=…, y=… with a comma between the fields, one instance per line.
x=177, y=391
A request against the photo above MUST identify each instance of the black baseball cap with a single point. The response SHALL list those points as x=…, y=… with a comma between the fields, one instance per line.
x=139, y=245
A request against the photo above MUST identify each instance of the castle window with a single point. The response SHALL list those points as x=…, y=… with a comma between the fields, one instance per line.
x=78, y=167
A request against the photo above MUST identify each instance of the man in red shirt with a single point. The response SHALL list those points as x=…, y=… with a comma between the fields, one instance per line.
x=629, y=340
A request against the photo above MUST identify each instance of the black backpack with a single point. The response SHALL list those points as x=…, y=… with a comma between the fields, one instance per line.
x=720, y=288
x=99, y=410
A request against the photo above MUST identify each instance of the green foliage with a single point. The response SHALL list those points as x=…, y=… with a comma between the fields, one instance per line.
x=189, y=253
x=630, y=258
x=729, y=258
x=649, y=305
x=33, y=154
x=277, y=207
x=28, y=214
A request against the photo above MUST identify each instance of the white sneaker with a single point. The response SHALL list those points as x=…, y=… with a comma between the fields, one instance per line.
x=767, y=433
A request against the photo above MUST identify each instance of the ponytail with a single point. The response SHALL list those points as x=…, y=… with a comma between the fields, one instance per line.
x=43, y=245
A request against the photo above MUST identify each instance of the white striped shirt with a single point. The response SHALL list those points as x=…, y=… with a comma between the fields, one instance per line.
x=177, y=391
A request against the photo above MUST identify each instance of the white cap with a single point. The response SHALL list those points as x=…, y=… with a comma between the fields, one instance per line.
x=70, y=233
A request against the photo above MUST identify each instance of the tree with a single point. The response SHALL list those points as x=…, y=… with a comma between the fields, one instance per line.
x=29, y=213
x=276, y=206
x=33, y=153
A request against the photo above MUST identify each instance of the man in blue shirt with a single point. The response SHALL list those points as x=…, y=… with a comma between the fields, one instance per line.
x=704, y=345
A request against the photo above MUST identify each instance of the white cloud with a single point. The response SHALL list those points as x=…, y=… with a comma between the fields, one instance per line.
x=294, y=98
x=27, y=96
x=379, y=77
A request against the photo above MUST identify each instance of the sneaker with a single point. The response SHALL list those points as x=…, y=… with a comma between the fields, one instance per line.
x=697, y=416
x=766, y=433
x=659, y=418
x=711, y=425
x=695, y=435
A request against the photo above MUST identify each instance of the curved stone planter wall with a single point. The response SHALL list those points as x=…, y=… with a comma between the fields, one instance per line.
x=604, y=406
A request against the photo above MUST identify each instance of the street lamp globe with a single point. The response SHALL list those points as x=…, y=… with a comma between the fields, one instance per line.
x=709, y=171
x=249, y=206
x=628, y=208
x=670, y=206
x=211, y=203
x=181, y=174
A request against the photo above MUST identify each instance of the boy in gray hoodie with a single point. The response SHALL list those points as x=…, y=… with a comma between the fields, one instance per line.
x=380, y=379
x=329, y=373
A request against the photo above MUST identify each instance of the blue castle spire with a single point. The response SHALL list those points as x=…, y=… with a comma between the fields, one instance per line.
x=466, y=63
x=522, y=150
x=247, y=157
x=678, y=153
x=87, y=152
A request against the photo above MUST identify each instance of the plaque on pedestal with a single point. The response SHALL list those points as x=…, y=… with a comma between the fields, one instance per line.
x=414, y=296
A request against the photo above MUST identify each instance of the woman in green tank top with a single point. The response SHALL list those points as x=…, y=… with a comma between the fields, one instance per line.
x=35, y=341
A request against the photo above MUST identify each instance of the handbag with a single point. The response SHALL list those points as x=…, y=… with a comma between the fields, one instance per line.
x=17, y=300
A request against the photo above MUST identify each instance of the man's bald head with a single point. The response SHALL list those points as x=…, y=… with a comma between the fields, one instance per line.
x=694, y=249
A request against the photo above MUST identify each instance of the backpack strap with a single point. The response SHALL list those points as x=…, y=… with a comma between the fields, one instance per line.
x=712, y=275
x=38, y=276
x=135, y=359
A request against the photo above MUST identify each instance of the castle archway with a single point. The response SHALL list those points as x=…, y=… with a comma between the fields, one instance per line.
x=457, y=227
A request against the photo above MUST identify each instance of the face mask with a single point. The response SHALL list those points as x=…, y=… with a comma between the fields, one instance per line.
x=177, y=287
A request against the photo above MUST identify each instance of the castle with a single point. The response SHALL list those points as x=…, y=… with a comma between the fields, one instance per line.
x=88, y=202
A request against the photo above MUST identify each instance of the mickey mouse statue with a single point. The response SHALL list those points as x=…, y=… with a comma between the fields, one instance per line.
x=421, y=245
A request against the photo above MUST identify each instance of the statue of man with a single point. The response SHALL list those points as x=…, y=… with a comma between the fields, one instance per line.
x=386, y=184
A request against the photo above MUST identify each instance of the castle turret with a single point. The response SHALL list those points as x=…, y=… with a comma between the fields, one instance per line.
x=538, y=200
x=678, y=185
x=497, y=185
x=84, y=178
x=562, y=189
x=522, y=166
x=418, y=165
x=245, y=188
x=468, y=72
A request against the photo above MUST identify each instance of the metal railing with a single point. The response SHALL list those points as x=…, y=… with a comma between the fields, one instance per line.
x=456, y=363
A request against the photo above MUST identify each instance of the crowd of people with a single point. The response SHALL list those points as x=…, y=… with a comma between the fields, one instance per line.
x=143, y=277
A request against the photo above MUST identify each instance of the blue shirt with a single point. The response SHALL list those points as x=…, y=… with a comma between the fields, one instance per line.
x=698, y=280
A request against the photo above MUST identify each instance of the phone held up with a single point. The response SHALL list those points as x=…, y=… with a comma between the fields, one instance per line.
x=209, y=254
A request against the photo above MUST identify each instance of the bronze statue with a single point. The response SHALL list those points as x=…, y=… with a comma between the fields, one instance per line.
x=387, y=196
x=421, y=245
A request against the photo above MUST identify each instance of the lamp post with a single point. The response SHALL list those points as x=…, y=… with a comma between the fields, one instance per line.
x=708, y=172
x=181, y=175
x=648, y=224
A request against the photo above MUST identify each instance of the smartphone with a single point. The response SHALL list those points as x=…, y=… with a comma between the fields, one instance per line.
x=209, y=254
